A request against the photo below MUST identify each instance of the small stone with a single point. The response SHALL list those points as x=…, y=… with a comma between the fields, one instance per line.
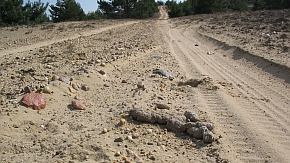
x=195, y=132
x=72, y=90
x=140, y=85
x=208, y=136
x=78, y=105
x=162, y=106
x=98, y=61
x=35, y=100
x=150, y=143
x=105, y=130
x=47, y=90
x=122, y=121
x=41, y=50
x=27, y=89
x=135, y=135
x=55, y=77
x=191, y=116
x=152, y=158
x=129, y=138
x=3, y=100
x=103, y=64
x=85, y=87
x=64, y=79
x=75, y=86
x=124, y=81
x=117, y=154
x=149, y=131
x=106, y=85
x=119, y=139
x=102, y=72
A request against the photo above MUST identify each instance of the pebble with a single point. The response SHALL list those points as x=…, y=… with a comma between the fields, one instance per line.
x=102, y=72
x=149, y=131
x=129, y=138
x=47, y=90
x=78, y=105
x=117, y=154
x=122, y=121
x=162, y=106
x=3, y=100
x=72, y=90
x=106, y=85
x=75, y=86
x=55, y=77
x=41, y=50
x=135, y=135
x=105, y=130
x=191, y=116
x=140, y=85
x=65, y=80
x=85, y=87
x=119, y=139
x=103, y=64
x=27, y=89
x=150, y=143
x=152, y=158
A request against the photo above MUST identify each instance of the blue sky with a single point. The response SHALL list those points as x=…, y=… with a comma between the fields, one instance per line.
x=87, y=5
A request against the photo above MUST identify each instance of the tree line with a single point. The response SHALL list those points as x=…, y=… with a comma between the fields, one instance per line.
x=15, y=12
x=190, y=7
x=128, y=8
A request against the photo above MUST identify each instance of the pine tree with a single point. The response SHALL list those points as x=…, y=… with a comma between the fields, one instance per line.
x=35, y=12
x=11, y=11
x=66, y=10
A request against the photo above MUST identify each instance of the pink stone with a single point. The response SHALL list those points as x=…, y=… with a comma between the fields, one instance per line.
x=34, y=100
x=55, y=77
x=78, y=105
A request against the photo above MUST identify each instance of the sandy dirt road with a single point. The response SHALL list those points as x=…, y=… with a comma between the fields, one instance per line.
x=251, y=108
x=247, y=98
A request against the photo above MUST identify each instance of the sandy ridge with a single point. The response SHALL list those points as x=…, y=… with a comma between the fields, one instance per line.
x=48, y=42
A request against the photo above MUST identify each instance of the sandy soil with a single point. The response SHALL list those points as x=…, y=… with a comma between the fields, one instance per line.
x=246, y=94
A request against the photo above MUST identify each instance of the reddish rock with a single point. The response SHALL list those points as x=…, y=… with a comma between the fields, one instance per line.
x=34, y=100
x=55, y=77
x=78, y=105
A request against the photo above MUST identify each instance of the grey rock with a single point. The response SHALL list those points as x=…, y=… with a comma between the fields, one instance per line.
x=162, y=106
x=174, y=124
x=208, y=125
x=27, y=90
x=195, y=132
x=207, y=135
x=163, y=73
x=191, y=116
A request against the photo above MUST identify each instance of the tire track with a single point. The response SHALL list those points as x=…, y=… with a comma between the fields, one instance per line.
x=253, y=107
x=190, y=56
x=254, y=91
x=219, y=110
